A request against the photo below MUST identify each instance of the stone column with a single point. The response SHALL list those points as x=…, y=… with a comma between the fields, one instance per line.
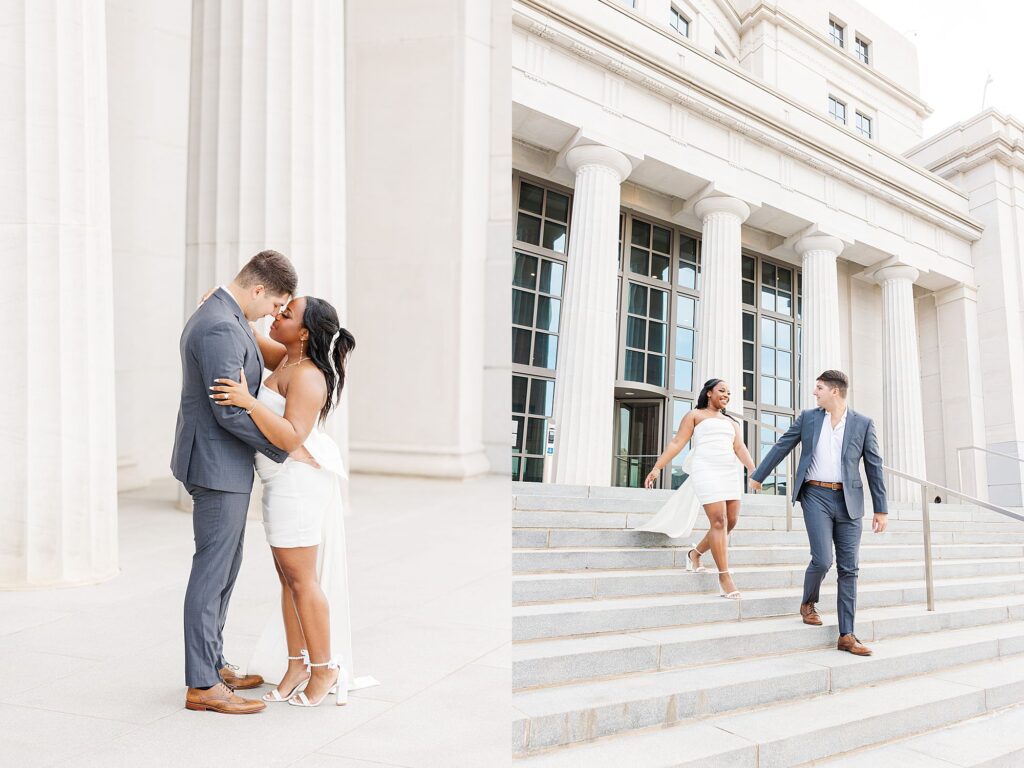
x=59, y=514
x=720, y=324
x=585, y=390
x=963, y=399
x=266, y=154
x=820, y=338
x=904, y=427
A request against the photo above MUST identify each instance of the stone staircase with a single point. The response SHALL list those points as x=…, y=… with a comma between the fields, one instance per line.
x=622, y=658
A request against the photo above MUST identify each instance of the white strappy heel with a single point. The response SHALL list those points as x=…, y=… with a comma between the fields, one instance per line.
x=275, y=696
x=689, y=562
x=339, y=689
x=734, y=595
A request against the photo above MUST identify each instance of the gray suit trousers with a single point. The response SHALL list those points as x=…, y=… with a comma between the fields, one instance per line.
x=218, y=524
x=828, y=522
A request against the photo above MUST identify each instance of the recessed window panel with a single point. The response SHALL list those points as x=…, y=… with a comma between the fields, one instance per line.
x=555, y=236
x=548, y=310
x=638, y=261
x=660, y=267
x=662, y=240
x=528, y=229
x=684, y=342
x=531, y=198
x=658, y=304
x=522, y=307
x=656, y=337
x=684, y=375
x=551, y=276
x=637, y=299
x=521, y=346
x=542, y=397
x=767, y=331
x=535, y=436
x=525, y=272
x=558, y=207
x=641, y=234
x=656, y=370
x=685, y=310
x=636, y=332
x=519, y=387
x=545, y=349
x=634, y=366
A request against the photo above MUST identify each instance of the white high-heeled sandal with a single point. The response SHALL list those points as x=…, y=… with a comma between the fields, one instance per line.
x=275, y=696
x=689, y=562
x=339, y=689
x=734, y=595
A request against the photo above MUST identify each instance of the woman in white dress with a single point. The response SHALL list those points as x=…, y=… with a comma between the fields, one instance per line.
x=715, y=481
x=302, y=504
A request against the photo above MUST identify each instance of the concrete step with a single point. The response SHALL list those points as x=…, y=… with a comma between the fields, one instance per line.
x=551, y=560
x=992, y=740
x=647, y=502
x=801, y=731
x=572, y=659
x=561, y=538
x=591, y=584
x=530, y=622
x=753, y=520
x=584, y=711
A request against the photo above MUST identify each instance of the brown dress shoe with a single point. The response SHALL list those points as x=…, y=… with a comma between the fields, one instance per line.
x=851, y=644
x=810, y=614
x=222, y=699
x=239, y=682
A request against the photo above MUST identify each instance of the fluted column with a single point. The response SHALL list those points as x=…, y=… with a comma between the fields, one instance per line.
x=266, y=159
x=58, y=519
x=820, y=335
x=720, y=324
x=585, y=389
x=904, y=425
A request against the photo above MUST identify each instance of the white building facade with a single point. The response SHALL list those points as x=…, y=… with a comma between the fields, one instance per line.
x=734, y=190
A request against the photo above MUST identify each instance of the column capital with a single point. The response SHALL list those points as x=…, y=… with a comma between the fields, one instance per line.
x=818, y=243
x=722, y=204
x=896, y=272
x=597, y=154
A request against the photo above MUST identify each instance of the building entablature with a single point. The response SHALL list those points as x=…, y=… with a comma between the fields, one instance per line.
x=701, y=127
x=986, y=137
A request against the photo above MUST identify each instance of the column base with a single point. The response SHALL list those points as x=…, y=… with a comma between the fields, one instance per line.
x=16, y=586
x=415, y=461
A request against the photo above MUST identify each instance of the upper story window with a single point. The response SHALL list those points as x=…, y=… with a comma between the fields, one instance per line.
x=678, y=22
x=863, y=49
x=837, y=109
x=837, y=33
x=863, y=125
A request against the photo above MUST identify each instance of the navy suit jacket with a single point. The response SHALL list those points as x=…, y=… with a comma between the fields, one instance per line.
x=859, y=443
x=214, y=445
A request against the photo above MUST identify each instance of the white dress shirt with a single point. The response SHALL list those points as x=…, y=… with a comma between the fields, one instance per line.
x=827, y=460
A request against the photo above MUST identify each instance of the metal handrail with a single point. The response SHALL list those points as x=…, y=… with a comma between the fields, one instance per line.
x=960, y=464
x=926, y=523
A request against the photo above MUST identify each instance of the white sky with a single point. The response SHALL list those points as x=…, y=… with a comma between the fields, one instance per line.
x=958, y=45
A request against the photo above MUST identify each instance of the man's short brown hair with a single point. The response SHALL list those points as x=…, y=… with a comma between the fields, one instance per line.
x=272, y=270
x=835, y=379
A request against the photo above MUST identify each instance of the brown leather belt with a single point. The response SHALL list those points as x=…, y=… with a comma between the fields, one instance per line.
x=830, y=486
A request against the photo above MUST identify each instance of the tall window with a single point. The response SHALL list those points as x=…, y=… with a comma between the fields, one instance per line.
x=837, y=33
x=678, y=22
x=771, y=318
x=659, y=280
x=837, y=109
x=862, y=47
x=538, y=283
x=863, y=123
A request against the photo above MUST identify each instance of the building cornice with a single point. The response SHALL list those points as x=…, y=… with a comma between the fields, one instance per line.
x=991, y=112
x=994, y=147
x=681, y=88
x=779, y=17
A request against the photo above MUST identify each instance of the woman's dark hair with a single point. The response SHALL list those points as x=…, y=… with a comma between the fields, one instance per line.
x=705, y=391
x=321, y=320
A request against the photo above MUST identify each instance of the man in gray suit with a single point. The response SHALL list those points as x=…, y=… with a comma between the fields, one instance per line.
x=214, y=448
x=834, y=440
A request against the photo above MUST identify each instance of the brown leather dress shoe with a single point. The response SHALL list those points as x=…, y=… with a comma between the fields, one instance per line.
x=221, y=699
x=810, y=614
x=851, y=644
x=239, y=682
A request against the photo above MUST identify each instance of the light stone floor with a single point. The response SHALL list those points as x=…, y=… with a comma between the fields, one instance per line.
x=93, y=676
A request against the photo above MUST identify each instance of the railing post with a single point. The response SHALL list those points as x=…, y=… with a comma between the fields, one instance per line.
x=926, y=527
x=789, y=492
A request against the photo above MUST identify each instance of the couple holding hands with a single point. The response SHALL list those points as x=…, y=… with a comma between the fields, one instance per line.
x=834, y=440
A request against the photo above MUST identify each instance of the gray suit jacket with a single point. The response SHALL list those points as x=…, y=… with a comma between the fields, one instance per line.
x=859, y=442
x=214, y=445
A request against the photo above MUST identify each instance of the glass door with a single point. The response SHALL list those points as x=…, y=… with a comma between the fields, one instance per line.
x=638, y=440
